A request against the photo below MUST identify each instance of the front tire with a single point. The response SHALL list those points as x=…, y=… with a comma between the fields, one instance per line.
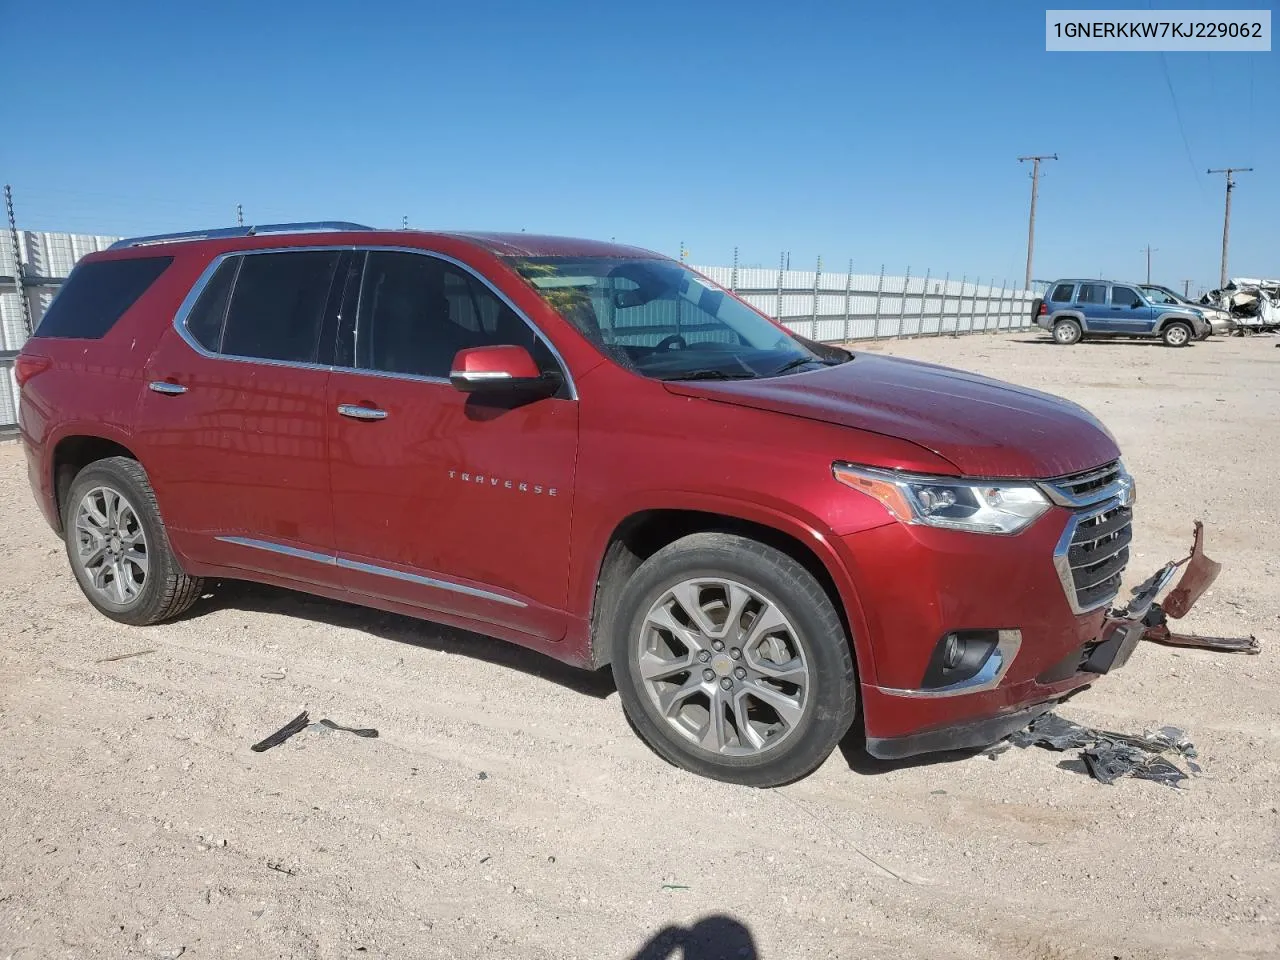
x=731, y=661
x=1176, y=334
x=117, y=545
x=1067, y=332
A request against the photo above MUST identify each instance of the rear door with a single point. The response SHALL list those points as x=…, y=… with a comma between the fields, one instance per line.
x=1091, y=300
x=1130, y=312
x=232, y=424
x=442, y=500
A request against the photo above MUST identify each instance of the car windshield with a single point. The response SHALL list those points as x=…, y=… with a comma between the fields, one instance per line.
x=662, y=320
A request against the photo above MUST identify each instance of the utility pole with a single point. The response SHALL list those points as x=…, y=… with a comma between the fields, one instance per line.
x=1150, y=250
x=239, y=215
x=1035, y=190
x=1226, y=218
x=404, y=222
x=1186, y=289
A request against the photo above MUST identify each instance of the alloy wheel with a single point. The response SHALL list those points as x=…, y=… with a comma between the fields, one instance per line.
x=1176, y=335
x=723, y=666
x=111, y=546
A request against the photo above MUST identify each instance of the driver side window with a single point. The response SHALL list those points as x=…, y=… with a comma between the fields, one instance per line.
x=418, y=311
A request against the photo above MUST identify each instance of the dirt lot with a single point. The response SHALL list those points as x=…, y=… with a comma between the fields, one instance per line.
x=508, y=810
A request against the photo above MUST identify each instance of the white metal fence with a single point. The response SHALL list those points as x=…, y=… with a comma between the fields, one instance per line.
x=831, y=307
x=46, y=260
x=836, y=307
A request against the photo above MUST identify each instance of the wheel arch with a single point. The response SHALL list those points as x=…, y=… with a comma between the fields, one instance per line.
x=72, y=453
x=643, y=532
x=1167, y=318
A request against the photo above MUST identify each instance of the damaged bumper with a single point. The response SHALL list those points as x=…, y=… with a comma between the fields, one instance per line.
x=1144, y=617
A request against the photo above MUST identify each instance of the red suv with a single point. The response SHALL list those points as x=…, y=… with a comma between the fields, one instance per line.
x=591, y=450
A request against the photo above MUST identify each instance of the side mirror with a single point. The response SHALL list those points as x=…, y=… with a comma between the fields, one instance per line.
x=505, y=369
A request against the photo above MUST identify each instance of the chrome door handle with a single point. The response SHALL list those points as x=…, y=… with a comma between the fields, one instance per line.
x=357, y=412
x=165, y=387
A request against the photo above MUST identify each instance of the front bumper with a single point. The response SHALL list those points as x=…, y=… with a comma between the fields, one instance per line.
x=1059, y=652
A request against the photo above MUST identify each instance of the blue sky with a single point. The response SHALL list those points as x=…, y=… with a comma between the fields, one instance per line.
x=883, y=132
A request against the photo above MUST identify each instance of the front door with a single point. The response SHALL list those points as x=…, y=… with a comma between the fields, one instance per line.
x=232, y=427
x=441, y=500
x=1129, y=311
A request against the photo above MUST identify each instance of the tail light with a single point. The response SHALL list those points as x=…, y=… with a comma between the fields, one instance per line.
x=27, y=365
x=1044, y=308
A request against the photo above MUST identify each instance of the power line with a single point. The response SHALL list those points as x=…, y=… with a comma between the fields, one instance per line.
x=1031, y=225
x=1186, y=145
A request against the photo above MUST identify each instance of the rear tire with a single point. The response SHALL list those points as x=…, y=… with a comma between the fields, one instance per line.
x=731, y=661
x=117, y=545
x=1067, y=332
x=1176, y=334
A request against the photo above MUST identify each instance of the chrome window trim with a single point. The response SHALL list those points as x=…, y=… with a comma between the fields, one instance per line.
x=1061, y=551
x=1008, y=643
x=270, y=546
x=193, y=295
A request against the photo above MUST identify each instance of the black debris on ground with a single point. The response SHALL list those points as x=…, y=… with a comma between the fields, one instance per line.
x=1107, y=756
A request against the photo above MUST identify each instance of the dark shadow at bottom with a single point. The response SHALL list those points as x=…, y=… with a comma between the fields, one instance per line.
x=710, y=938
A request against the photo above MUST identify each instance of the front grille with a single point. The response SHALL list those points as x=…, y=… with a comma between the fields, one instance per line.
x=1093, y=554
x=1088, y=485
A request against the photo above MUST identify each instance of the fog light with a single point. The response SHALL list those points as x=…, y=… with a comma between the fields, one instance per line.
x=952, y=651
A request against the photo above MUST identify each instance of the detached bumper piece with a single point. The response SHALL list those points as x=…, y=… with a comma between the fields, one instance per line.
x=1107, y=756
x=1145, y=619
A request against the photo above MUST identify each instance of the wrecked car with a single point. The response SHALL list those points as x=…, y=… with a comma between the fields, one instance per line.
x=1253, y=305
x=593, y=451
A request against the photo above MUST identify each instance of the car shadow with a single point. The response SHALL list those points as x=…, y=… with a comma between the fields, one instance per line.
x=260, y=598
x=709, y=938
x=1047, y=340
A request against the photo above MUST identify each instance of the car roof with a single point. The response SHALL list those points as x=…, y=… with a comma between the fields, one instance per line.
x=343, y=233
x=1122, y=283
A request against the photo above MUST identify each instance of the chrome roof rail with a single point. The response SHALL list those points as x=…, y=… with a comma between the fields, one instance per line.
x=226, y=233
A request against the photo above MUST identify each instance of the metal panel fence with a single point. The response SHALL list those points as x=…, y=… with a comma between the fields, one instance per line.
x=838, y=307
x=830, y=307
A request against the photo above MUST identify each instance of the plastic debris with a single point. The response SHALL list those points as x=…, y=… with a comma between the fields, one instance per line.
x=303, y=722
x=367, y=732
x=295, y=725
x=1108, y=755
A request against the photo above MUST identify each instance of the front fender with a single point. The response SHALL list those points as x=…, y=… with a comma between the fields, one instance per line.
x=808, y=530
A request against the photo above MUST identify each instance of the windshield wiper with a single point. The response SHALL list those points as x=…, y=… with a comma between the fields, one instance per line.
x=801, y=362
x=711, y=375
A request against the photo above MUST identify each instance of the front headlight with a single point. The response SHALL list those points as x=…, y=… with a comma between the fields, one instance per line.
x=979, y=507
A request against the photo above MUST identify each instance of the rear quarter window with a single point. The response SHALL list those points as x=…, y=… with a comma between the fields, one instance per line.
x=1062, y=293
x=97, y=294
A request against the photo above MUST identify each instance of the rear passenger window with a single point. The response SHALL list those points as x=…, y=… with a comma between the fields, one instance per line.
x=204, y=323
x=417, y=312
x=1092, y=293
x=277, y=307
x=1062, y=293
x=97, y=294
